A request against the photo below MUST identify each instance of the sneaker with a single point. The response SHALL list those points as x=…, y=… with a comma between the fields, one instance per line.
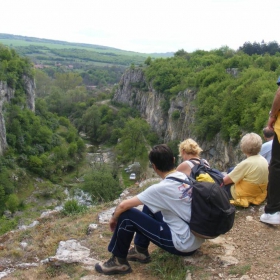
x=114, y=265
x=138, y=254
x=273, y=219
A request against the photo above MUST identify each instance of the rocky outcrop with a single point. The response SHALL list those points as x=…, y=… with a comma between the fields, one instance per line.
x=30, y=92
x=135, y=91
x=6, y=94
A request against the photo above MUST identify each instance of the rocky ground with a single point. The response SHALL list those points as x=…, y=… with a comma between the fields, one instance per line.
x=251, y=250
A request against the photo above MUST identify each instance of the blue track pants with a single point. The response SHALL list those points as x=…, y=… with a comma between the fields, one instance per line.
x=148, y=227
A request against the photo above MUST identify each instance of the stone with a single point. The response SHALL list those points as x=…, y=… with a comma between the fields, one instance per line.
x=91, y=228
x=71, y=251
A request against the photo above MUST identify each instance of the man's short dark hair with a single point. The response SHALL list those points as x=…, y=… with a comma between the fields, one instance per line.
x=162, y=157
x=268, y=133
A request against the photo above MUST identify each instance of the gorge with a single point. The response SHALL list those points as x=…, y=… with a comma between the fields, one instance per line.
x=135, y=91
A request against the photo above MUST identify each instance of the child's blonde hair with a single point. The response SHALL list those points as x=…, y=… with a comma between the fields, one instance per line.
x=189, y=146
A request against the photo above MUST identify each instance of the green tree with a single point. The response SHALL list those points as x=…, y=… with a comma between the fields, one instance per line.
x=91, y=121
x=148, y=61
x=43, y=83
x=102, y=184
x=132, y=143
x=68, y=80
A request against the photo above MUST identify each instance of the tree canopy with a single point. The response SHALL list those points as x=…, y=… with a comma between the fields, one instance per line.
x=234, y=90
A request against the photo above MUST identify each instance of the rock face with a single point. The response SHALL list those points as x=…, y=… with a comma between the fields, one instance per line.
x=135, y=91
x=6, y=94
x=30, y=92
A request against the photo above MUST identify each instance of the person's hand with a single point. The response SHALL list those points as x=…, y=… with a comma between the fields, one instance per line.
x=271, y=122
x=112, y=224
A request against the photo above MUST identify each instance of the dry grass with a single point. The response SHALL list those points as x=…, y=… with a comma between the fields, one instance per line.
x=256, y=247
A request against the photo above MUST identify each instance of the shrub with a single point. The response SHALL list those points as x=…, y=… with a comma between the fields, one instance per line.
x=102, y=185
x=175, y=115
x=72, y=207
x=12, y=203
x=7, y=225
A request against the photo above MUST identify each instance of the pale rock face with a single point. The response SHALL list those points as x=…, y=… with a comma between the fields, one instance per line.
x=30, y=92
x=6, y=94
x=135, y=91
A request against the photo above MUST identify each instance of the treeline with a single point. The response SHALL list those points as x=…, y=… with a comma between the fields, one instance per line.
x=55, y=61
x=234, y=90
x=260, y=48
x=84, y=56
x=108, y=57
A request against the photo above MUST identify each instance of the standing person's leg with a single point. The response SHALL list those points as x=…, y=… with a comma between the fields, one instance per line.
x=272, y=208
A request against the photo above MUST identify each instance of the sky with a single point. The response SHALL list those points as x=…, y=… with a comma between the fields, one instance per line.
x=146, y=26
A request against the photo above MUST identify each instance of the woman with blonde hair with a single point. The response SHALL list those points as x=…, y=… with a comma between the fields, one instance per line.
x=189, y=151
x=247, y=182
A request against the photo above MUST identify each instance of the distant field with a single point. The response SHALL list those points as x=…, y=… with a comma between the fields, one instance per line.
x=80, y=56
x=22, y=43
x=15, y=41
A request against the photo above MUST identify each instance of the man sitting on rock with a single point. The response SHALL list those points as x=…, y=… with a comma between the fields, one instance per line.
x=166, y=204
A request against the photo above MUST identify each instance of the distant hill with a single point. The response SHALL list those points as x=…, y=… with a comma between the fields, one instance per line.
x=48, y=52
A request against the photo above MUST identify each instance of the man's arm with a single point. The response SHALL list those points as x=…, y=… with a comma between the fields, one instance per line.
x=274, y=110
x=123, y=206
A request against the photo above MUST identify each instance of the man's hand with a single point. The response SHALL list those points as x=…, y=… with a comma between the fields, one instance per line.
x=271, y=122
x=123, y=206
x=112, y=224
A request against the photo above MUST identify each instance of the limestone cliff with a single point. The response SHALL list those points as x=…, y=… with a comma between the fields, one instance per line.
x=30, y=92
x=135, y=91
x=6, y=94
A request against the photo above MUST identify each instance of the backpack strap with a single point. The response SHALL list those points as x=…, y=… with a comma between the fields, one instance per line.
x=191, y=180
x=190, y=163
x=201, y=161
x=196, y=160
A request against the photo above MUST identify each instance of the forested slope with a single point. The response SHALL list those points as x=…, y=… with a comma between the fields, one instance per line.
x=227, y=92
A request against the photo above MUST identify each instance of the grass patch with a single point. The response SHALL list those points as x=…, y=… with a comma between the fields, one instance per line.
x=167, y=266
x=240, y=270
x=68, y=269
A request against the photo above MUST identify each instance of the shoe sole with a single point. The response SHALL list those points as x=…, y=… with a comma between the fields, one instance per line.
x=271, y=222
x=99, y=269
x=132, y=259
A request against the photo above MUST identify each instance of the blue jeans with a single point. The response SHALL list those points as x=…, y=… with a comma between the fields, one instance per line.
x=148, y=227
